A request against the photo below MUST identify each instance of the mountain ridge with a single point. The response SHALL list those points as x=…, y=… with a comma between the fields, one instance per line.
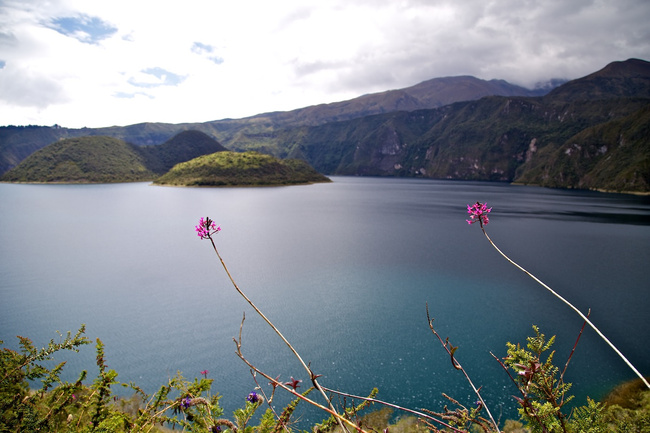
x=432, y=93
x=17, y=142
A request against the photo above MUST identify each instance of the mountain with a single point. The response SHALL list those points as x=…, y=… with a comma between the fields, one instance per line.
x=82, y=160
x=240, y=169
x=17, y=142
x=432, y=93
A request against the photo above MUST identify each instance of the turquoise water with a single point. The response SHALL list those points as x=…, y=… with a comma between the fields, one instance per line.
x=343, y=269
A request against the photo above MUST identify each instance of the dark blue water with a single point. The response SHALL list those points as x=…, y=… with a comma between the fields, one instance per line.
x=343, y=269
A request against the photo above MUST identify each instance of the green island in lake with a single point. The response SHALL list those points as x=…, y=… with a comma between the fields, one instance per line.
x=240, y=169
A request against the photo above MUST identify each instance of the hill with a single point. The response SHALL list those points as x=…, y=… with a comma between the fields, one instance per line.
x=183, y=146
x=82, y=160
x=240, y=169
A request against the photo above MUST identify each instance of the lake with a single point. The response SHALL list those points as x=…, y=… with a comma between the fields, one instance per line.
x=344, y=269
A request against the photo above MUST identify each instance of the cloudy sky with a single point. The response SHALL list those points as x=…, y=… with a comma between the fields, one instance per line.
x=118, y=62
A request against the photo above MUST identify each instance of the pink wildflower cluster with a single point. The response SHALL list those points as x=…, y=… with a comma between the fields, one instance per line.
x=206, y=228
x=478, y=213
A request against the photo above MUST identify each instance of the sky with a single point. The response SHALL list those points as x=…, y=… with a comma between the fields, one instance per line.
x=95, y=63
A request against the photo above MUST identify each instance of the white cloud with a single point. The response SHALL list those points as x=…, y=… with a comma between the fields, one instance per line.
x=80, y=63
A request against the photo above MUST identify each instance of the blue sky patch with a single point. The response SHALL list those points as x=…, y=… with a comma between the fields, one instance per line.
x=84, y=28
x=206, y=51
x=216, y=59
x=201, y=48
x=165, y=78
x=125, y=95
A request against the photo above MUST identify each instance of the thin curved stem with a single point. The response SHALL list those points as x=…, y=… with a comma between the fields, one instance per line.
x=585, y=318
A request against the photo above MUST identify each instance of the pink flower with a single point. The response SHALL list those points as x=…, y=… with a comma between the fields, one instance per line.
x=206, y=228
x=478, y=212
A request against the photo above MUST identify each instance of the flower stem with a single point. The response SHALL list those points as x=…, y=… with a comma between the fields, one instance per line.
x=585, y=318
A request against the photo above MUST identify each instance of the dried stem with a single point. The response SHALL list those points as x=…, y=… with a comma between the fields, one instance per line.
x=457, y=366
x=585, y=318
x=573, y=349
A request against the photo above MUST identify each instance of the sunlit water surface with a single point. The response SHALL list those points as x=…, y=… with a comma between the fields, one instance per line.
x=344, y=269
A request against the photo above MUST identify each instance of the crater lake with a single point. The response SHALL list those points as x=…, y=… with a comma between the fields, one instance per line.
x=345, y=270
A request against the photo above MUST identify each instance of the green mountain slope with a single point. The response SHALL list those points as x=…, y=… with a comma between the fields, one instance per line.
x=82, y=160
x=240, y=169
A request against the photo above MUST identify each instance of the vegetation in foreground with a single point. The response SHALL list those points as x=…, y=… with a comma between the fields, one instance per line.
x=60, y=406
x=191, y=405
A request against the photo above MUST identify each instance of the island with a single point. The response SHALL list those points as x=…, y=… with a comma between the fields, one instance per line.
x=250, y=168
